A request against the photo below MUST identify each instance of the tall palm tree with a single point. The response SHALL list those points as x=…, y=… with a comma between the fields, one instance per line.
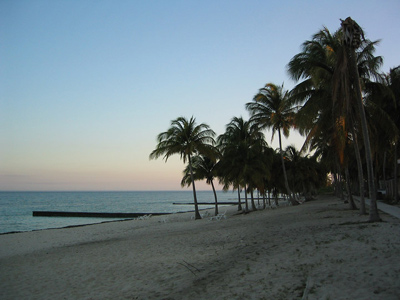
x=352, y=34
x=386, y=95
x=318, y=118
x=393, y=82
x=271, y=108
x=203, y=168
x=326, y=93
x=185, y=138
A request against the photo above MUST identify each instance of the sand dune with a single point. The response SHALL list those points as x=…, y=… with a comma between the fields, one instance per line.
x=318, y=250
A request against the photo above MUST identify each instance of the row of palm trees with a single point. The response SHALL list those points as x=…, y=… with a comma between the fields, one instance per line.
x=345, y=104
x=241, y=158
x=347, y=110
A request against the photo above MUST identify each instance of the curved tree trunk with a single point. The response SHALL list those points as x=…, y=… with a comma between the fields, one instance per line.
x=359, y=168
x=352, y=33
x=215, y=197
x=291, y=199
x=196, y=206
x=373, y=210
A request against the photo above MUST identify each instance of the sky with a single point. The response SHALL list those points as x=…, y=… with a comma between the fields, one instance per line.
x=86, y=86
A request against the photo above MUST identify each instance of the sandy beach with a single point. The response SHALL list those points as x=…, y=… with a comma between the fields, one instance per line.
x=317, y=250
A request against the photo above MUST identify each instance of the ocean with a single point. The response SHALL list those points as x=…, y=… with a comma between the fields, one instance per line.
x=16, y=207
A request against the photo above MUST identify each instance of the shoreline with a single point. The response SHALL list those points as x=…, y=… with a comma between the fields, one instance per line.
x=319, y=248
x=18, y=207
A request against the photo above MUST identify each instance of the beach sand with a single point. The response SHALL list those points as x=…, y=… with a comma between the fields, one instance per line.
x=317, y=250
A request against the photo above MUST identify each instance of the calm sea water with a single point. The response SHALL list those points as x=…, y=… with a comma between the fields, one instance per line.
x=16, y=207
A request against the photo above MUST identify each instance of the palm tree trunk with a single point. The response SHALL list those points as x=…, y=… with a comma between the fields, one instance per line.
x=263, y=195
x=239, y=200
x=348, y=187
x=336, y=184
x=284, y=171
x=384, y=171
x=359, y=168
x=269, y=198
x=373, y=210
x=245, y=197
x=396, y=192
x=253, y=205
x=196, y=206
x=215, y=197
x=339, y=176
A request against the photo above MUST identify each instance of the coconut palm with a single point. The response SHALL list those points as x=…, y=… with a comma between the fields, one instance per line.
x=385, y=96
x=257, y=169
x=326, y=154
x=319, y=118
x=294, y=164
x=185, y=138
x=242, y=162
x=271, y=108
x=352, y=34
x=327, y=90
x=393, y=82
x=306, y=174
x=204, y=168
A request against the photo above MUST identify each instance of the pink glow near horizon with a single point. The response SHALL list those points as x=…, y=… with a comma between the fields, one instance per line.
x=85, y=89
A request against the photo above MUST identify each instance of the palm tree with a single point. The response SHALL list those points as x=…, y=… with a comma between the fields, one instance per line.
x=326, y=154
x=257, y=169
x=185, y=138
x=203, y=168
x=319, y=119
x=294, y=164
x=241, y=161
x=276, y=184
x=393, y=82
x=352, y=33
x=305, y=173
x=271, y=108
x=386, y=96
x=326, y=92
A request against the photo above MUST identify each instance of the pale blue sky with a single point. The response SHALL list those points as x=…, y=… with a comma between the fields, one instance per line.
x=86, y=86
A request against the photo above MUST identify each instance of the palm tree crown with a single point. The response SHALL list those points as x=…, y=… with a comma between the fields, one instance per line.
x=271, y=108
x=185, y=138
